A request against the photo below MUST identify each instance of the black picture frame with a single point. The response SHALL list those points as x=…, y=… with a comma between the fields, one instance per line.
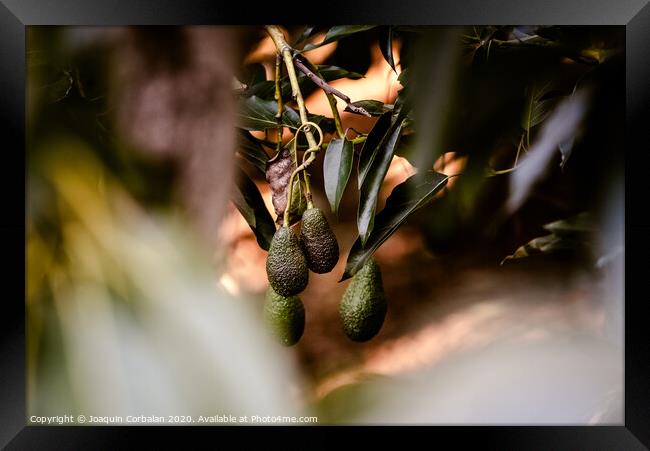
x=15, y=15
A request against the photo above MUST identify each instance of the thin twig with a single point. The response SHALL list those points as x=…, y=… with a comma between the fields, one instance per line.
x=285, y=50
x=278, y=99
x=327, y=88
x=330, y=98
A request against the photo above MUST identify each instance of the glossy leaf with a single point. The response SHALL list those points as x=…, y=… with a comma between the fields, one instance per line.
x=251, y=150
x=307, y=32
x=259, y=114
x=370, y=146
x=339, y=32
x=373, y=107
x=337, y=166
x=406, y=198
x=250, y=204
x=386, y=45
x=330, y=73
x=369, y=190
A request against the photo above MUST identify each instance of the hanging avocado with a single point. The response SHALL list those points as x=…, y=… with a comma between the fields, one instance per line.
x=285, y=315
x=318, y=241
x=363, y=306
x=286, y=266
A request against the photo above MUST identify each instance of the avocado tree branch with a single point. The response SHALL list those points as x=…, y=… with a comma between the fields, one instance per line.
x=330, y=97
x=327, y=88
x=303, y=167
x=278, y=99
x=285, y=50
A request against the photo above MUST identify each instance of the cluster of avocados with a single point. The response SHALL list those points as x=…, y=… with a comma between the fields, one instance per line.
x=291, y=257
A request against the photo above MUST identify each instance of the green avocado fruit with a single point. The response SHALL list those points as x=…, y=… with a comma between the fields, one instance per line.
x=286, y=266
x=318, y=241
x=363, y=306
x=285, y=315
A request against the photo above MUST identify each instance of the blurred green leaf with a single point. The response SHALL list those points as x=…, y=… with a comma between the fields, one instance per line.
x=563, y=124
x=579, y=224
x=539, y=105
x=386, y=45
x=406, y=198
x=566, y=147
x=571, y=234
x=251, y=150
x=377, y=169
x=339, y=32
x=337, y=166
x=250, y=204
x=60, y=89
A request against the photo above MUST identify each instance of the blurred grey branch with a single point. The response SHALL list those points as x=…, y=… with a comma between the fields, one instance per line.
x=174, y=101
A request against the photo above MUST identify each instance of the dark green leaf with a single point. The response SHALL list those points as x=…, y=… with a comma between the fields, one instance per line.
x=373, y=107
x=61, y=88
x=251, y=150
x=330, y=73
x=264, y=90
x=253, y=74
x=406, y=198
x=579, y=224
x=337, y=166
x=374, y=177
x=573, y=234
x=403, y=96
x=370, y=146
x=386, y=45
x=259, y=114
x=547, y=244
x=250, y=204
x=306, y=34
x=539, y=105
x=339, y=32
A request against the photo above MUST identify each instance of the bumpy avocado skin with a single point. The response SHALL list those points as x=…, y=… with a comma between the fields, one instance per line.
x=363, y=306
x=285, y=315
x=319, y=242
x=286, y=266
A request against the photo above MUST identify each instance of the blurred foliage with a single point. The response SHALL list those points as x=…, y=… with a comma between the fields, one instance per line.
x=118, y=286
